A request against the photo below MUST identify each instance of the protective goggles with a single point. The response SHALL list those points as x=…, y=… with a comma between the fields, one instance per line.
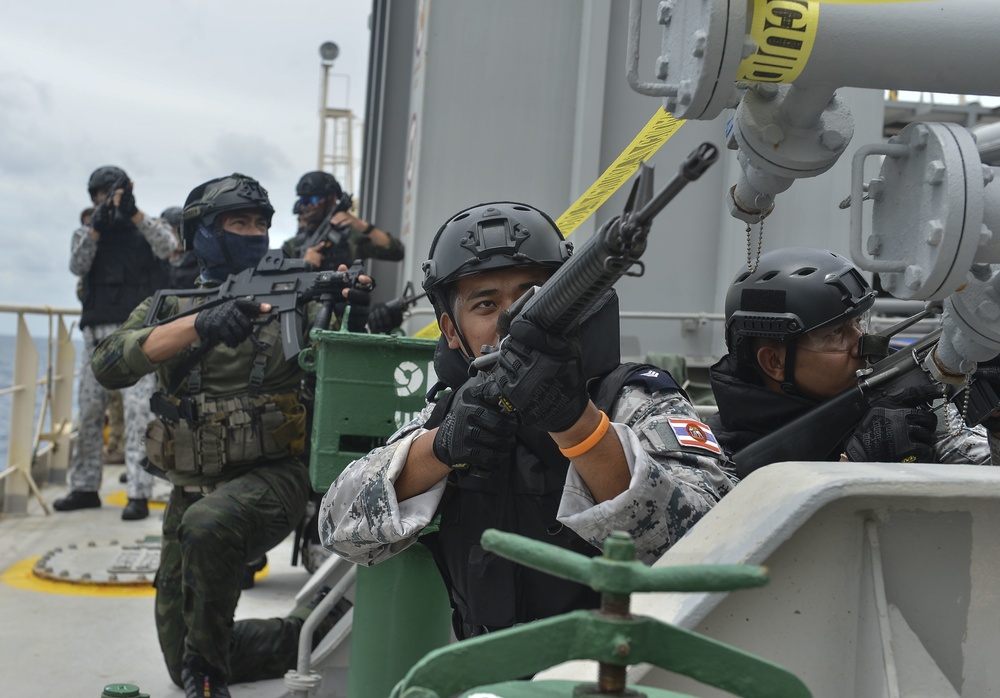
x=838, y=338
x=309, y=200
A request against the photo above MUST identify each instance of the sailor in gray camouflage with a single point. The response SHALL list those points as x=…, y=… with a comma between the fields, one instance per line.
x=584, y=446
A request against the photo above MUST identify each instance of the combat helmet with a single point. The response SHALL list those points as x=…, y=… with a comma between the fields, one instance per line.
x=792, y=291
x=216, y=196
x=318, y=183
x=103, y=178
x=488, y=237
x=173, y=215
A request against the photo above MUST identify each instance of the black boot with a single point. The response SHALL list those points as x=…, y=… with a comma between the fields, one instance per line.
x=77, y=500
x=135, y=510
x=202, y=681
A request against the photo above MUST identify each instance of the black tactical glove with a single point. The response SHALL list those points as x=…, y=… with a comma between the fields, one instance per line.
x=476, y=435
x=383, y=318
x=541, y=375
x=126, y=206
x=229, y=323
x=102, y=219
x=360, y=300
x=894, y=435
x=984, y=405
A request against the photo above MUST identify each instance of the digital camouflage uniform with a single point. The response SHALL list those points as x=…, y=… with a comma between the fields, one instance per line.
x=87, y=462
x=671, y=488
x=215, y=524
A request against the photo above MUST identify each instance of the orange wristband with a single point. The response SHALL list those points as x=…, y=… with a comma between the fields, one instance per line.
x=590, y=441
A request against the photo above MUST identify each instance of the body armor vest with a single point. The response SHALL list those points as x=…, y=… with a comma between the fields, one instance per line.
x=489, y=592
x=124, y=272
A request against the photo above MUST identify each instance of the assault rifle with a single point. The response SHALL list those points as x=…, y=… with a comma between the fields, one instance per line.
x=604, y=259
x=823, y=428
x=391, y=315
x=286, y=284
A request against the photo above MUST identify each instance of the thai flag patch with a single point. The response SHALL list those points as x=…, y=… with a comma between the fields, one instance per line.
x=694, y=434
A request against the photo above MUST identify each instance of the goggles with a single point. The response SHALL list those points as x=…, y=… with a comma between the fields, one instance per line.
x=309, y=200
x=839, y=338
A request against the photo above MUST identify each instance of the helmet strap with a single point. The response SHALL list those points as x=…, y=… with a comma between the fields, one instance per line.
x=788, y=384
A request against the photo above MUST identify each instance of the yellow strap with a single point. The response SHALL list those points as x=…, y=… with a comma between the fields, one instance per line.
x=655, y=133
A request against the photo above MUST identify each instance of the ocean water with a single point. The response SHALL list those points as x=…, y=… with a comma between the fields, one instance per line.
x=7, y=344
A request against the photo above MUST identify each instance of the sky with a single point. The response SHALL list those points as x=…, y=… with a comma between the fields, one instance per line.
x=175, y=92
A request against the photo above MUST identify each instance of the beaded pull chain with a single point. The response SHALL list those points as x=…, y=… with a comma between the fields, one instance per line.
x=752, y=263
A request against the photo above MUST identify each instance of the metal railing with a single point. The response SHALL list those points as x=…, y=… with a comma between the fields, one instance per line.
x=38, y=450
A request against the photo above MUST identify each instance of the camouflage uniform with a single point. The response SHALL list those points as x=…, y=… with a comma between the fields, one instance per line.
x=358, y=246
x=671, y=488
x=215, y=524
x=116, y=423
x=87, y=462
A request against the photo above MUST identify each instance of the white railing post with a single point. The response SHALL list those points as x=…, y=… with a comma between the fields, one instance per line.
x=20, y=444
x=61, y=386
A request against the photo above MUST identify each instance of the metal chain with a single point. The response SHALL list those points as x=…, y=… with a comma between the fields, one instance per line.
x=752, y=263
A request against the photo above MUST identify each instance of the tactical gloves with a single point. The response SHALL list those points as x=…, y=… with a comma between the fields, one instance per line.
x=894, y=435
x=383, y=319
x=127, y=205
x=102, y=219
x=229, y=323
x=476, y=434
x=541, y=375
x=360, y=300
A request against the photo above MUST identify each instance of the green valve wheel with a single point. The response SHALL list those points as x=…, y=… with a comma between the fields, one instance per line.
x=122, y=690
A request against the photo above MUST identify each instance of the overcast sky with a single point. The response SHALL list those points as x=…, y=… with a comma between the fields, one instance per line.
x=173, y=91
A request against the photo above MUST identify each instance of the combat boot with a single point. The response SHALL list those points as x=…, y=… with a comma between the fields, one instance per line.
x=201, y=681
x=77, y=500
x=135, y=510
x=326, y=625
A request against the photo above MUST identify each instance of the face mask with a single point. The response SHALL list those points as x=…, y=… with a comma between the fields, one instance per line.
x=244, y=251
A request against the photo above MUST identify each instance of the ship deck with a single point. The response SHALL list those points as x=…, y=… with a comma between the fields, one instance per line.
x=57, y=642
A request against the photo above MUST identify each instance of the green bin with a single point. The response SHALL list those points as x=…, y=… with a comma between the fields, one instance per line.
x=367, y=386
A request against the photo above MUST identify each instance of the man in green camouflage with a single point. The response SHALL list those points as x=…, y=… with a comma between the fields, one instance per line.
x=229, y=432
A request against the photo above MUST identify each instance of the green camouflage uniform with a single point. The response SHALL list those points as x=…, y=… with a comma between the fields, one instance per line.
x=359, y=246
x=215, y=524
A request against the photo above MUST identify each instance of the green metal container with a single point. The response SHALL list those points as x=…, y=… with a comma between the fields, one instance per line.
x=367, y=386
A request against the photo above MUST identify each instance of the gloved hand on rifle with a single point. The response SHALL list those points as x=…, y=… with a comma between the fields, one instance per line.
x=384, y=318
x=541, y=375
x=897, y=430
x=476, y=435
x=986, y=386
x=126, y=205
x=360, y=300
x=229, y=323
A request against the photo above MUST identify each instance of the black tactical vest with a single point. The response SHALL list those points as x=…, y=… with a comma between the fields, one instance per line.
x=123, y=274
x=489, y=592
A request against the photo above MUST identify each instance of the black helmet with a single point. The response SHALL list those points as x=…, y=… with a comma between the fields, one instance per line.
x=103, y=178
x=792, y=291
x=173, y=215
x=487, y=237
x=231, y=193
x=318, y=183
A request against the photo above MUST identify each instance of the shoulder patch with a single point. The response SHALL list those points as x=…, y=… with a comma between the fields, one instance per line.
x=653, y=379
x=694, y=435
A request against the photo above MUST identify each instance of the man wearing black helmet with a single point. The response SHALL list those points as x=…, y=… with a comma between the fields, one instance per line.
x=120, y=256
x=329, y=234
x=184, y=269
x=603, y=454
x=793, y=326
x=230, y=429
